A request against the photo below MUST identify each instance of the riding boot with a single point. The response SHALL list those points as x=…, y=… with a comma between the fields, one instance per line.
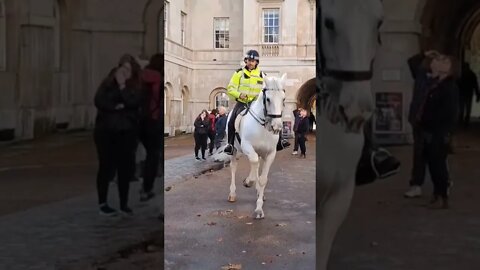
x=230, y=140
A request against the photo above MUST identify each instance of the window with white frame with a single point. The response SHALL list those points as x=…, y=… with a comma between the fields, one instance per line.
x=166, y=9
x=221, y=99
x=221, y=33
x=271, y=25
x=184, y=23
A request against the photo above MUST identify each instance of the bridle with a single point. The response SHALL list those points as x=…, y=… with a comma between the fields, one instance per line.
x=263, y=121
x=342, y=75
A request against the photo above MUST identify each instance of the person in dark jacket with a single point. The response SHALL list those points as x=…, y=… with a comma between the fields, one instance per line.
x=420, y=68
x=302, y=129
x=212, y=117
x=468, y=87
x=117, y=101
x=297, y=118
x=202, y=125
x=437, y=116
x=220, y=126
x=151, y=123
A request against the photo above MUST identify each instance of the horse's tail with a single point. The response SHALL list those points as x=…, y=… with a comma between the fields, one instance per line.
x=220, y=156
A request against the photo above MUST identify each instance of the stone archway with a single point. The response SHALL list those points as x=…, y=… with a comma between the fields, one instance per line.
x=153, y=23
x=306, y=94
x=214, y=96
x=168, y=107
x=448, y=26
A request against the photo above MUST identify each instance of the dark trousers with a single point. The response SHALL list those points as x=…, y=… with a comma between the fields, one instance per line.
x=419, y=162
x=436, y=152
x=301, y=142
x=116, y=155
x=239, y=107
x=218, y=139
x=465, y=108
x=151, y=136
x=200, y=142
x=295, y=144
x=211, y=136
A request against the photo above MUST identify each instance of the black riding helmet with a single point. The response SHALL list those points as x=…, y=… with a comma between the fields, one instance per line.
x=252, y=54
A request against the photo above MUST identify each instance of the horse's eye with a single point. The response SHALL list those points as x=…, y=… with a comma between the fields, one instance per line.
x=268, y=99
x=329, y=24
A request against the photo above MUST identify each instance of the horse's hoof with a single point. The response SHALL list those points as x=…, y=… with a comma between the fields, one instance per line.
x=232, y=199
x=259, y=214
x=245, y=184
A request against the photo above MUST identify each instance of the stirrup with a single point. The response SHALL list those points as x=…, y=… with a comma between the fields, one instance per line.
x=230, y=151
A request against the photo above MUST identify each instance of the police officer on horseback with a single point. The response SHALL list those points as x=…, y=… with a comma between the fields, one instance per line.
x=245, y=85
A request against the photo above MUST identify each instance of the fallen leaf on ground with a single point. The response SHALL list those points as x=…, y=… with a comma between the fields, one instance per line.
x=232, y=267
x=249, y=223
x=168, y=188
x=281, y=224
x=211, y=223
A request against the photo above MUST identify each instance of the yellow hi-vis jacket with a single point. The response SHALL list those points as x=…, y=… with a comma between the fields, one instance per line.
x=247, y=82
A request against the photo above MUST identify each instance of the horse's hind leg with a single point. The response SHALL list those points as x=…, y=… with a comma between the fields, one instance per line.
x=261, y=184
x=232, y=197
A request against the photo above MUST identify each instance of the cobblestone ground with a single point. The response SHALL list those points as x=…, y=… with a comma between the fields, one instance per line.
x=48, y=216
x=386, y=231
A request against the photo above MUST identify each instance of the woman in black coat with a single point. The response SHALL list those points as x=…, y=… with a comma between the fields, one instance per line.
x=202, y=126
x=302, y=129
x=117, y=101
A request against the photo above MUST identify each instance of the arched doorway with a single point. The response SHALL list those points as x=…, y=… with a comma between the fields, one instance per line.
x=307, y=98
x=167, y=108
x=219, y=97
x=185, y=112
x=306, y=95
x=153, y=18
x=454, y=28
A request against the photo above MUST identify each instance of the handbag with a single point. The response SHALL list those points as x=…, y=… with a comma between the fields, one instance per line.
x=375, y=163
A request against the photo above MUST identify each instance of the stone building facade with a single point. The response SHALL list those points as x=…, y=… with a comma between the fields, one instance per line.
x=54, y=53
x=205, y=42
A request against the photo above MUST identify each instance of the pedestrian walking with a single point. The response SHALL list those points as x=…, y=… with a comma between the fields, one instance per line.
x=302, y=129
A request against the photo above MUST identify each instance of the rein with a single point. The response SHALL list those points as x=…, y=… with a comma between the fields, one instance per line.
x=257, y=118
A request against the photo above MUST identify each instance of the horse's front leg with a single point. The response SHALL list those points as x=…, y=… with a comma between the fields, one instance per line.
x=254, y=165
x=232, y=197
x=333, y=209
x=262, y=183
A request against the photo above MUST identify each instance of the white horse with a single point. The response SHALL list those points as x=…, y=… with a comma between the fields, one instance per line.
x=259, y=131
x=349, y=32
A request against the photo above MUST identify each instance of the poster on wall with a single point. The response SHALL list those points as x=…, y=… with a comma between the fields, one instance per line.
x=389, y=112
x=287, y=129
